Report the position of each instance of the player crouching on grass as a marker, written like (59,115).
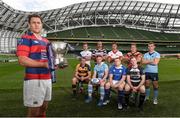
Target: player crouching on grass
(135,82)
(117,76)
(99,79)
(82,75)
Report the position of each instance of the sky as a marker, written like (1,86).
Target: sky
(41,5)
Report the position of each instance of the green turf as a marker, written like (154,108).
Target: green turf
(11,104)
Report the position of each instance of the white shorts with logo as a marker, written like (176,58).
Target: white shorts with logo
(115,82)
(35,92)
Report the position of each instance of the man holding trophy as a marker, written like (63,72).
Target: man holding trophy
(37,55)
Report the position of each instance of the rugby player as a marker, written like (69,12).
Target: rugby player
(32,54)
(82,75)
(99,51)
(115,53)
(86,53)
(117,76)
(135,82)
(100,73)
(133,53)
(151,60)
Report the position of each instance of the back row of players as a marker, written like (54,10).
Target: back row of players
(125,80)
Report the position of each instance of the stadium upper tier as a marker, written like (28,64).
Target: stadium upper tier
(137,14)
(158,16)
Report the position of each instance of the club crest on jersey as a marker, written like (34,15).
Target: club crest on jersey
(36,42)
(20,41)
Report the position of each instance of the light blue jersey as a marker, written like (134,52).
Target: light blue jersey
(151,68)
(100,69)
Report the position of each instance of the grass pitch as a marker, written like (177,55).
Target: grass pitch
(11,101)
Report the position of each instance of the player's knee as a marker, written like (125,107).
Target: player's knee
(155,85)
(142,89)
(127,88)
(33,112)
(147,85)
(43,108)
(102,84)
(121,87)
(107,85)
(74,80)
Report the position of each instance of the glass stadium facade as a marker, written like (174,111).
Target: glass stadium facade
(135,14)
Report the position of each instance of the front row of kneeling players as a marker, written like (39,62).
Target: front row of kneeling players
(117,80)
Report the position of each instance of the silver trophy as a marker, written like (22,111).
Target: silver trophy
(60,49)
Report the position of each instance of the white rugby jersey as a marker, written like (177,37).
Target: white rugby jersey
(86,53)
(116,54)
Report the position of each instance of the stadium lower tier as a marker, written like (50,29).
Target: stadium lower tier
(165,42)
(109,32)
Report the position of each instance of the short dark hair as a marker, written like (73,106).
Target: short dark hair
(34,16)
(151,43)
(85,43)
(133,44)
(114,43)
(99,56)
(117,58)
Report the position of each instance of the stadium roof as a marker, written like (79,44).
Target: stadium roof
(157,16)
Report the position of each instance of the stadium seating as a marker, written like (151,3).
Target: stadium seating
(124,36)
(115,33)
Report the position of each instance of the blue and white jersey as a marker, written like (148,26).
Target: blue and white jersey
(151,68)
(100,69)
(117,72)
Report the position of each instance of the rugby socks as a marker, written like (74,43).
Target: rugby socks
(127,98)
(107,94)
(147,92)
(141,99)
(90,90)
(155,93)
(74,89)
(102,93)
(80,85)
(120,96)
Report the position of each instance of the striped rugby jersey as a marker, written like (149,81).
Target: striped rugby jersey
(101,52)
(35,49)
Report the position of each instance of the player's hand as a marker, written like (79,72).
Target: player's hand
(56,67)
(102,80)
(46,65)
(82,78)
(134,90)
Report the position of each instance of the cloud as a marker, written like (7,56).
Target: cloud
(40,5)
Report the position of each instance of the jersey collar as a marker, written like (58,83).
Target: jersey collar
(151,53)
(119,66)
(115,51)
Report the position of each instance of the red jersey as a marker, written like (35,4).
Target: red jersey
(129,55)
(35,49)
